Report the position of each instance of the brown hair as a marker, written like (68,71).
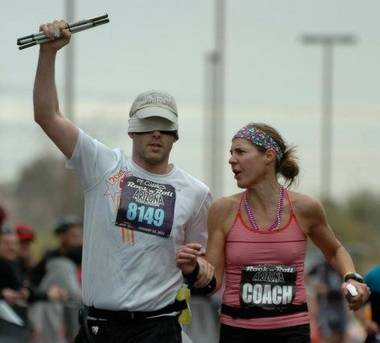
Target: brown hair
(287,166)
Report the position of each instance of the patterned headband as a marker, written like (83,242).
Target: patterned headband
(260,138)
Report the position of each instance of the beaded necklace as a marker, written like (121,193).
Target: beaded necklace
(279,211)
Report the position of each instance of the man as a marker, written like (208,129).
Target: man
(11,282)
(68,231)
(11,287)
(137,212)
(53,321)
(26,238)
(3,216)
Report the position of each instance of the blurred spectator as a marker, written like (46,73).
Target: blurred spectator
(54,322)
(13,289)
(68,231)
(371,320)
(331,309)
(26,237)
(3,215)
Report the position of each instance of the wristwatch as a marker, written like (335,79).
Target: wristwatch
(353,276)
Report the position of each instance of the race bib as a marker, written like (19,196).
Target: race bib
(146,206)
(267,286)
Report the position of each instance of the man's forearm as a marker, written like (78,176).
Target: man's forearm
(45,97)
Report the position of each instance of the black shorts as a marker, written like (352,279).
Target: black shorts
(292,334)
(165,329)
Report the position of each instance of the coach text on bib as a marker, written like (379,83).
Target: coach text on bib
(267,286)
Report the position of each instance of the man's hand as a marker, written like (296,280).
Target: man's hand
(356,301)
(56,293)
(186,257)
(12,296)
(58,33)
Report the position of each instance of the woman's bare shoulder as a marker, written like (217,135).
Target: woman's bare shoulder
(226,204)
(222,213)
(225,207)
(305,205)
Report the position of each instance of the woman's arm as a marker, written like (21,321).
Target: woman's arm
(212,265)
(313,220)
(218,217)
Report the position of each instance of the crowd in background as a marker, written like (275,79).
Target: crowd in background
(40,299)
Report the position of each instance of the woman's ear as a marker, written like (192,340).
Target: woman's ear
(270,156)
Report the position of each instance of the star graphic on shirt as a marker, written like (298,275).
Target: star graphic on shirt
(114,186)
(112,190)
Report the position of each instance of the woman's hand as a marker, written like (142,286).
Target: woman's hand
(206,273)
(356,301)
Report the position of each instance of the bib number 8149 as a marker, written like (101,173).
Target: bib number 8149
(143,213)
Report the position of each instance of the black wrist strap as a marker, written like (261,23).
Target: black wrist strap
(192,277)
(353,276)
(209,288)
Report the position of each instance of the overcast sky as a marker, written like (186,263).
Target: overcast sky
(270,77)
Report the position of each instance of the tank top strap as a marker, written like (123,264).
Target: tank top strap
(238,213)
(289,202)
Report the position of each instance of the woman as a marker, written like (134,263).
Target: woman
(257,239)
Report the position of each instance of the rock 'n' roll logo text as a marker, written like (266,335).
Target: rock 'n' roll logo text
(267,286)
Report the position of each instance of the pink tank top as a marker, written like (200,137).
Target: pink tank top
(267,257)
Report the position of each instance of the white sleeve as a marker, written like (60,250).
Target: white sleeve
(196,229)
(91,160)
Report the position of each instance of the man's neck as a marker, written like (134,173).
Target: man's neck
(160,169)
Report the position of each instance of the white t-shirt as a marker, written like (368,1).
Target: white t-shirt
(134,269)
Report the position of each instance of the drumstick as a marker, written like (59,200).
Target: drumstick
(39,38)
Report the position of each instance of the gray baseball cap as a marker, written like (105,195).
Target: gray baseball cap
(155,103)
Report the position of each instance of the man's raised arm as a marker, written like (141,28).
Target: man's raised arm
(45,99)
